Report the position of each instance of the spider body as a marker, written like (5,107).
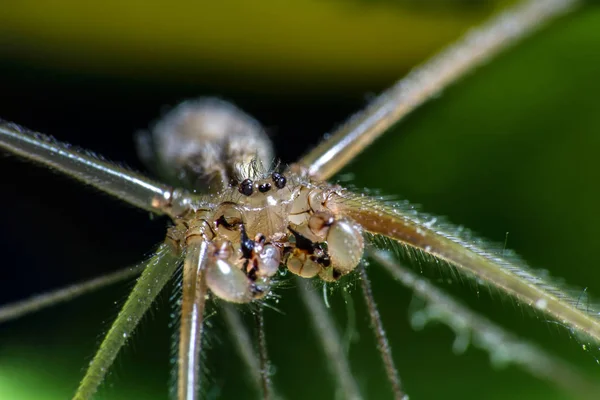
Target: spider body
(372,181)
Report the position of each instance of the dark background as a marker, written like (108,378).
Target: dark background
(513,148)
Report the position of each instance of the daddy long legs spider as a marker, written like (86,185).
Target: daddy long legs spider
(426,146)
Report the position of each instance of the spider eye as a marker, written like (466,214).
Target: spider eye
(246,187)
(264,187)
(279,180)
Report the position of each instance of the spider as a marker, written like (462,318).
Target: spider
(396,350)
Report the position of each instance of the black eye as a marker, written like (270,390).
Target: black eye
(279,180)
(246,187)
(264,188)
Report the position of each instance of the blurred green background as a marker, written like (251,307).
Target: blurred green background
(512,148)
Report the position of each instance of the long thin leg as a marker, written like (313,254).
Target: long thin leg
(487,335)
(192,316)
(82,165)
(382,342)
(331,342)
(49,299)
(245,348)
(265,365)
(471,256)
(159,270)
(244,344)
(426,81)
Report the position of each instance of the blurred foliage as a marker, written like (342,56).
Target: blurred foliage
(512,148)
(304,43)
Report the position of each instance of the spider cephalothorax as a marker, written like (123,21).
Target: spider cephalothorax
(275,219)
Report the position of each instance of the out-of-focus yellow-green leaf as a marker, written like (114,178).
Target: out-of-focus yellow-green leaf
(301,42)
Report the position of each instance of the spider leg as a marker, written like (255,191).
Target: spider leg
(157,273)
(49,299)
(243,344)
(330,340)
(193,303)
(382,342)
(470,256)
(489,336)
(84,166)
(265,365)
(426,81)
